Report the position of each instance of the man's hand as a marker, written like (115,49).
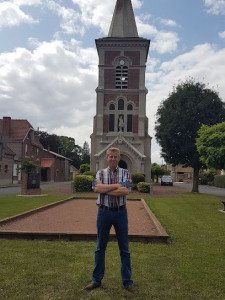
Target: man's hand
(127,184)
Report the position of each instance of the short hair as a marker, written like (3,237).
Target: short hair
(113,149)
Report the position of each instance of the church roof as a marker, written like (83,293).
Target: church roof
(123,22)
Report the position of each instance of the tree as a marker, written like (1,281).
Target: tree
(65,146)
(28,165)
(84,168)
(179,118)
(157,171)
(85,153)
(211,145)
(49,141)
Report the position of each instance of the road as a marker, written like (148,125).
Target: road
(17,189)
(203,189)
(211,190)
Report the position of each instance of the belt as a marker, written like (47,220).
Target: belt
(117,208)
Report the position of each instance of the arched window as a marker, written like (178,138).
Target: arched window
(129,123)
(120,104)
(129,107)
(111,122)
(112,107)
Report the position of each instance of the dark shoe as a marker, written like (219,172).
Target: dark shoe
(131,289)
(91,286)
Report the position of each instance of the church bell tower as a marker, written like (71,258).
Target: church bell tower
(120,119)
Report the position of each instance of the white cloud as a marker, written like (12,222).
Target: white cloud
(204,63)
(96,13)
(161,41)
(222,35)
(27,2)
(99,14)
(70,23)
(156,158)
(168,22)
(215,7)
(12,15)
(51,87)
(165,42)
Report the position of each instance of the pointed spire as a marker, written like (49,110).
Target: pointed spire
(123,22)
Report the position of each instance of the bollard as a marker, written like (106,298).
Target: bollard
(72,187)
(224,205)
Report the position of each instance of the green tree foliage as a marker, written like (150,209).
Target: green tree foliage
(66,146)
(211,145)
(49,141)
(157,171)
(29,166)
(179,118)
(207,177)
(86,153)
(84,168)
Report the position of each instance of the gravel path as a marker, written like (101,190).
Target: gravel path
(77,217)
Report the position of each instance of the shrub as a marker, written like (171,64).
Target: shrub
(219,181)
(91,173)
(136,178)
(143,187)
(84,168)
(83,183)
(207,177)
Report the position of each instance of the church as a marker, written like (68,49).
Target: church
(120,119)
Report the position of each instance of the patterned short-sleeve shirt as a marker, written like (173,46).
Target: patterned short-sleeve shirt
(119,175)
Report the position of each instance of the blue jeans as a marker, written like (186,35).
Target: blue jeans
(119,220)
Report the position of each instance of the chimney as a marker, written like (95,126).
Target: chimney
(6,130)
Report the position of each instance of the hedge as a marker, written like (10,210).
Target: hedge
(219,181)
(83,183)
(143,187)
(91,173)
(136,178)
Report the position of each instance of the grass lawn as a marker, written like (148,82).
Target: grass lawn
(11,205)
(191,267)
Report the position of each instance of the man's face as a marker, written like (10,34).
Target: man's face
(113,159)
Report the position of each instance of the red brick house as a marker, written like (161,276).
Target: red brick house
(19,141)
(6,164)
(180,173)
(55,167)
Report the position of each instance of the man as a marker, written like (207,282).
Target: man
(113,185)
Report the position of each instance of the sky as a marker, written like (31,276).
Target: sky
(49,62)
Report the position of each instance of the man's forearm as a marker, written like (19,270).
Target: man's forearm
(121,191)
(106,188)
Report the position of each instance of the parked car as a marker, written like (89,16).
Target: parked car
(166,180)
